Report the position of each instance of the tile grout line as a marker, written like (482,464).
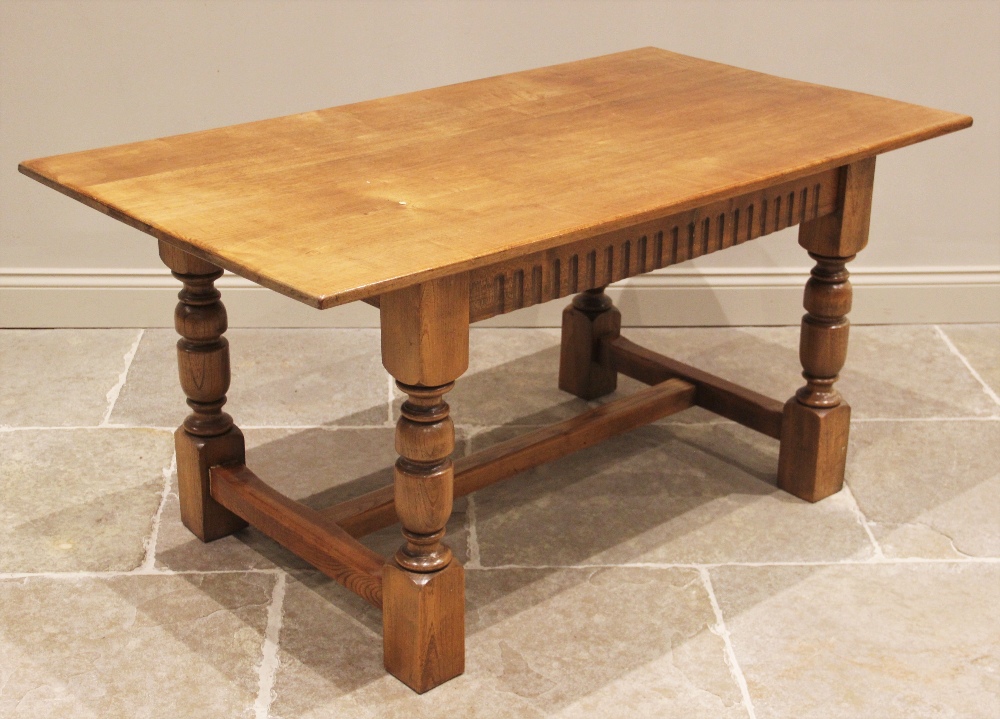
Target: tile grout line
(477,428)
(721,631)
(472,561)
(112,395)
(714,565)
(158,572)
(268,669)
(968,365)
(149,559)
(951,541)
(987,418)
(75,427)
(472,542)
(113,573)
(467,427)
(862,519)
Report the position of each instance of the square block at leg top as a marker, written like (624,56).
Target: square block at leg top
(205,517)
(813,452)
(423,625)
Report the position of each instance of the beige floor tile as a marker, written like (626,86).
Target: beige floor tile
(764,359)
(79,499)
(663,493)
(132,646)
(832,640)
(280,377)
(980,345)
(929,489)
(513,373)
(319,467)
(886,374)
(862,641)
(573,643)
(60,378)
(512,379)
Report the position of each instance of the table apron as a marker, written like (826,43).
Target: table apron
(598,261)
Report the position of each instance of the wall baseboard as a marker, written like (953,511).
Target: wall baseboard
(668,298)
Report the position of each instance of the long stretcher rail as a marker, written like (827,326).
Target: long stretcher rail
(375,510)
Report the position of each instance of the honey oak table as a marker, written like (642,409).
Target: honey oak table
(452,205)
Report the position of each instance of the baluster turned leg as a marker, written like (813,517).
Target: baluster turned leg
(425,346)
(208,436)
(424,477)
(585,367)
(816,421)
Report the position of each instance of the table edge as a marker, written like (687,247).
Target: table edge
(326,301)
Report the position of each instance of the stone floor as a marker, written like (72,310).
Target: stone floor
(660,574)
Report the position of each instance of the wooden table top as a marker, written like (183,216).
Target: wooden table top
(350,202)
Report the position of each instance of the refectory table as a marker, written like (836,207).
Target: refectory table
(452,205)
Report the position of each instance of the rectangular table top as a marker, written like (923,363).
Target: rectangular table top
(350,202)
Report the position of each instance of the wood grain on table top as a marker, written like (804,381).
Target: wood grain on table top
(350,202)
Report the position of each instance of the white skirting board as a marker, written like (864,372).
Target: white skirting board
(673,297)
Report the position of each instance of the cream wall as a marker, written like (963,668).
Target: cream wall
(86,73)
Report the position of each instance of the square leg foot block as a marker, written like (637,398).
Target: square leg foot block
(205,517)
(423,622)
(813,451)
(585,367)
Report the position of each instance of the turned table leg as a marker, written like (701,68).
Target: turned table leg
(208,436)
(425,346)
(816,421)
(585,367)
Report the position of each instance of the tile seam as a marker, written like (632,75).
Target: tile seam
(149,559)
(968,365)
(5,576)
(112,395)
(929,526)
(466,427)
(337,427)
(112,573)
(472,561)
(714,565)
(268,670)
(75,427)
(722,631)
(984,418)
(862,519)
